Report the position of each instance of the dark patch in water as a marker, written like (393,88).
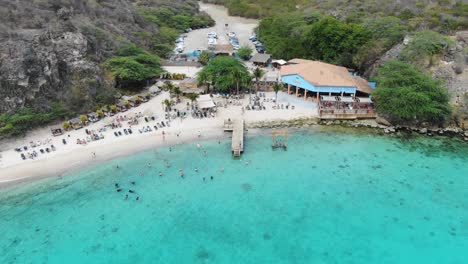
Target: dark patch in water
(375,167)
(203,254)
(115,229)
(246,187)
(266,236)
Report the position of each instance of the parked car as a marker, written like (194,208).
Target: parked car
(234,41)
(260,50)
(253,37)
(212,35)
(231,34)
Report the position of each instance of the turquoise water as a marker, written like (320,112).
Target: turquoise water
(333,197)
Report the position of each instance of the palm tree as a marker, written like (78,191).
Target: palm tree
(192,97)
(176,90)
(203,78)
(258,74)
(277,87)
(238,77)
(168,103)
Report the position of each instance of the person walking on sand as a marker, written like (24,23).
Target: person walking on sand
(93,154)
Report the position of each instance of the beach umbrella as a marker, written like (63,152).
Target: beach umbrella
(160,84)
(131,115)
(154,89)
(108,120)
(148,112)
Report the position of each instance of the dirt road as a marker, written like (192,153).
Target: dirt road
(243,28)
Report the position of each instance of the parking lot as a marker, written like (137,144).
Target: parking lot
(243,27)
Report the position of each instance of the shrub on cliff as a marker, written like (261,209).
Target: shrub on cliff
(406,95)
(133,66)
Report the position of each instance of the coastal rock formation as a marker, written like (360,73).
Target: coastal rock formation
(52,50)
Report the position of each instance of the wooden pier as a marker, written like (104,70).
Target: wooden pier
(237,128)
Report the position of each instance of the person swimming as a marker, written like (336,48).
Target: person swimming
(132,182)
(116,185)
(160,174)
(222,169)
(119,190)
(181,174)
(126,196)
(138,198)
(131,191)
(117,166)
(149,164)
(196,169)
(211,177)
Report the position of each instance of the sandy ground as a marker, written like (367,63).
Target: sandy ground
(243,28)
(71,156)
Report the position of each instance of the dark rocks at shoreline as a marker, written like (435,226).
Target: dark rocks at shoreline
(366,123)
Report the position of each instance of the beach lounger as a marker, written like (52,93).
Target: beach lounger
(52,147)
(167,123)
(115,133)
(42,151)
(130,131)
(64,141)
(155,127)
(47,150)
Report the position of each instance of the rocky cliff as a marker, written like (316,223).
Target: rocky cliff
(51,50)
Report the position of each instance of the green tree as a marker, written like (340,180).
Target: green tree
(192,97)
(334,41)
(224,73)
(203,78)
(66,125)
(277,88)
(133,66)
(100,113)
(244,52)
(168,104)
(204,57)
(406,95)
(83,118)
(258,74)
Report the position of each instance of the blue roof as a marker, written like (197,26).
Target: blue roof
(297,80)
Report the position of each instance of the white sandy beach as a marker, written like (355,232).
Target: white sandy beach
(72,156)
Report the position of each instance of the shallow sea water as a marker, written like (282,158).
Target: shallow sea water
(333,197)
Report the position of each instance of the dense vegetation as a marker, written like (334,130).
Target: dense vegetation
(245,52)
(407,96)
(438,15)
(133,66)
(325,38)
(225,74)
(28,117)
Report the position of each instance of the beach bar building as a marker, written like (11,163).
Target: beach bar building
(261,59)
(333,87)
